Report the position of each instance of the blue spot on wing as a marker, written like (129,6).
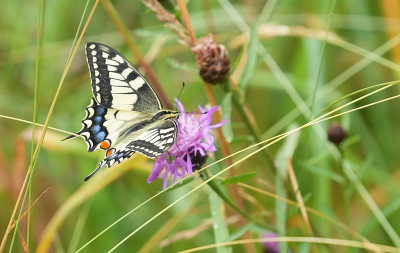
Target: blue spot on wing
(98,119)
(100,136)
(100,110)
(96,129)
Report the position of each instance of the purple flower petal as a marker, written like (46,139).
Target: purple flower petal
(194,135)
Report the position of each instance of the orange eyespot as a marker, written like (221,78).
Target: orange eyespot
(105,144)
(110,152)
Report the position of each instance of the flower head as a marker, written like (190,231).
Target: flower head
(336,133)
(212,60)
(194,139)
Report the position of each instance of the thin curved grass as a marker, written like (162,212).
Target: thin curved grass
(330,241)
(243,159)
(319,119)
(31,168)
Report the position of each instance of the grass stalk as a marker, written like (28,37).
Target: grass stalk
(270,141)
(80,196)
(39,49)
(217,117)
(31,168)
(299,198)
(327,241)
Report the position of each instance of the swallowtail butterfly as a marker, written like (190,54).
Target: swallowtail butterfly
(125,115)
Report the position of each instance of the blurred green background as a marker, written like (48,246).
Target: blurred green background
(299,59)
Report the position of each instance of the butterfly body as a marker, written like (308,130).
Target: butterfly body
(125,114)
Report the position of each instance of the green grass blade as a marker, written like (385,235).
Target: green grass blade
(251,58)
(220,228)
(239,233)
(80,223)
(371,204)
(226,114)
(239,178)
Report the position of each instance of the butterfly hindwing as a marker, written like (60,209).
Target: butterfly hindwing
(116,157)
(156,140)
(116,83)
(102,126)
(93,130)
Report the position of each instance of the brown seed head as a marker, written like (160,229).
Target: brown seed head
(336,134)
(212,60)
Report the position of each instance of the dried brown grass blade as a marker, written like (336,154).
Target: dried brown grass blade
(299,198)
(26,249)
(269,31)
(170,20)
(26,212)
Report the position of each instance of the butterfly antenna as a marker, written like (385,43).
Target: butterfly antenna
(179,95)
(183,86)
(94,172)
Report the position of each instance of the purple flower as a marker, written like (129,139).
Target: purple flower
(194,139)
(270,247)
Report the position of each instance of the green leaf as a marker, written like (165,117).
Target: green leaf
(390,209)
(240,232)
(239,178)
(219,225)
(226,114)
(325,173)
(241,138)
(216,199)
(251,61)
(351,141)
(238,59)
(219,190)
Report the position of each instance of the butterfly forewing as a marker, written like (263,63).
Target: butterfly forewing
(116,83)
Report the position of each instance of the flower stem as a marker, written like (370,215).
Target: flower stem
(247,117)
(188,24)
(234,190)
(115,18)
(216,188)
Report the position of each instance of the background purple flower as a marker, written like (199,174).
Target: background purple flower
(270,247)
(195,137)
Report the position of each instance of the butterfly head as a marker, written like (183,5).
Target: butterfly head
(166,115)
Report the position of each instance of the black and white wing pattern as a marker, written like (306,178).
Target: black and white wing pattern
(152,143)
(156,140)
(116,83)
(102,126)
(125,115)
